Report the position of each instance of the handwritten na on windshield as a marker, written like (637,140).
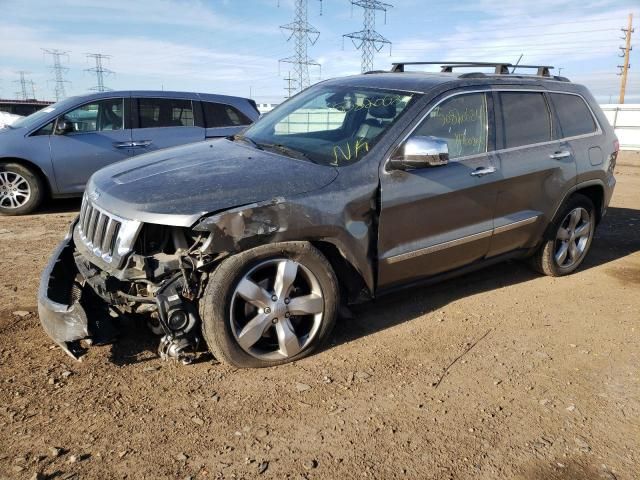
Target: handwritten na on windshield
(348,153)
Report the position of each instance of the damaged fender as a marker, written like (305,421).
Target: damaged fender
(315,217)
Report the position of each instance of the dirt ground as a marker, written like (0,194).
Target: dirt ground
(551,389)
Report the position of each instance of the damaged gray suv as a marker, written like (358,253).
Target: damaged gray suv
(352,188)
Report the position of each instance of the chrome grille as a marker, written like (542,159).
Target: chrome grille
(104,234)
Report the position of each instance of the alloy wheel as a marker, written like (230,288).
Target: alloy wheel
(572,238)
(276,309)
(15,191)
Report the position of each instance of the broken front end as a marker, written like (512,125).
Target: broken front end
(109,267)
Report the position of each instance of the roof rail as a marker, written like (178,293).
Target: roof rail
(501,68)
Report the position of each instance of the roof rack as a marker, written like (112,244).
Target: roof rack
(500,67)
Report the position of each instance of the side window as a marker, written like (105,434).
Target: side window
(165,112)
(461,121)
(574,115)
(100,116)
(221,115)
(525,118)
(46,130)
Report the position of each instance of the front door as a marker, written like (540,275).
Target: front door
(437,219)
(99,136)
(163,123)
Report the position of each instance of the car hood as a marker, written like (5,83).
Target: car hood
(177,186)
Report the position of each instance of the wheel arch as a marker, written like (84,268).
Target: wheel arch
(595,192)
(352,283)
(35,169)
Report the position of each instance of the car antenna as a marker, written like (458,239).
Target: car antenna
(517,63)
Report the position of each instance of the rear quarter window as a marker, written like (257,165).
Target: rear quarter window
(222,115)
(573,114)
(525,119)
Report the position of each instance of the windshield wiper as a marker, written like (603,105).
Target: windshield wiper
(291,152)
(246,139)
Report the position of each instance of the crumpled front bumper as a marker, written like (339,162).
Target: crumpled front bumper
(61,314)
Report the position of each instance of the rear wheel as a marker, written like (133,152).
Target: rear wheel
(570,239)
(20,189)
(269,305)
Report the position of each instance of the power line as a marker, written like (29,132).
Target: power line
(626,51)
(303,34)
(58,71)
(367,39)
(99,70)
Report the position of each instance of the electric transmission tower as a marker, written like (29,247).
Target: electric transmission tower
(367,39)
(291,85)
(303,34)
(58,71)
(27,87)
(99,70)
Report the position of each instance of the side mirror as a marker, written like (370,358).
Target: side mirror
(420,152)
(63,126)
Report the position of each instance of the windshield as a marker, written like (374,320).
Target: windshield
(330,125)
(35,118)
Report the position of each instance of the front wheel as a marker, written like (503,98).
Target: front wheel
(21,189)
(269,305)
(571,236)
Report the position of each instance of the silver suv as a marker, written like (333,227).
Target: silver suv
(350,189)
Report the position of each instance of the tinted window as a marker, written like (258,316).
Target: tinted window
(104,115)
(525,118)
(462,122)
(221,115)
(165,112)
(574,115)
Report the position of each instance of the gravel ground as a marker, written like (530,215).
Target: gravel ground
(497,374)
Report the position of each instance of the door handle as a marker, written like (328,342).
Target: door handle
(481,171)
(561,154)
(141,143)
(123,144)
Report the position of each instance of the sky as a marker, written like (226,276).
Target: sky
(233,46)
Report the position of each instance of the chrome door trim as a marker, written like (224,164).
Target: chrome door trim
(460,241)
(514,225)
(438,247)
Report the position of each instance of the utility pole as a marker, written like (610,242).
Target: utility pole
(58,71)
(26,87)
(367,39)
(303,34)
(291,87)
(99,70)
(626,51)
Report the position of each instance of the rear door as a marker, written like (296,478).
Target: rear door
(536,168)
(222,120)
(437,219)
(164,122)
(101,135)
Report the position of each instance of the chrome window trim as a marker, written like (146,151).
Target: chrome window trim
(598,131)
(460,241)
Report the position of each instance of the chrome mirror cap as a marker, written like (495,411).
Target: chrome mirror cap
(420,152)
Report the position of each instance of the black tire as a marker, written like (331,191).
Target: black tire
(215,304)
(9,170)
(544,260)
